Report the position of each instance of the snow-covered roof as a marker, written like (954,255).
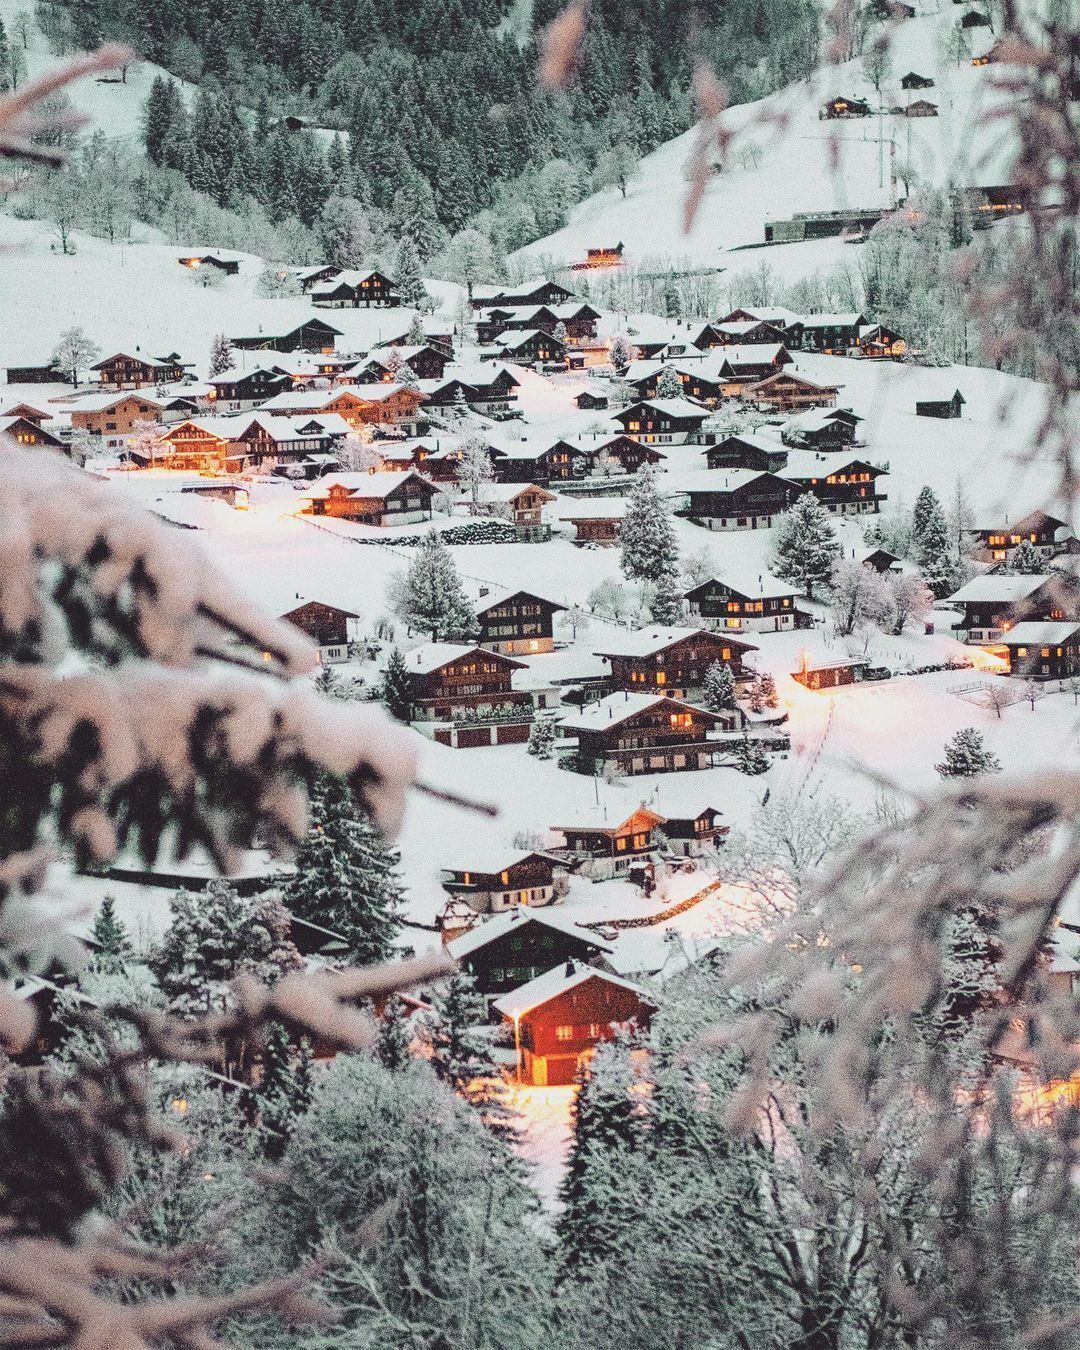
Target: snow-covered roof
(500,924)
(815,419)
(674,407)
(711,480)
(299,399)
(770,444)
(591,508)
(777,315)
(555,982)
(819,463)
(345,277)
(505,492)
(517,337)
(616,708)
(646,641)
(377,485)
(434,655)
(493,598)
(100,402)
(749,354)
(995,587)
(831,320)
(755,586)
(1033,634)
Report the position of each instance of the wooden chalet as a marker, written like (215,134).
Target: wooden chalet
(629,454)
(597,521)
(501,880)
(913,81)
(328,626)
(609,256)
(787,392)
(356,290)
(830,334)
(999,543)
(840,107)
(264,441)
(521,503)
(951,407)
(309,277)
(975,18)
(560,1018)
(993,604)
(670,661)
(786,320)
(879,343)
(426,363)
(847,487)
(44,374)
(1042,651)
(747,450)
(763,605)
(27,410)
(237,391)
(825,429)
(517,623)
(748,364)
(373,498)
(646,733)
(396,405)
(667,421)
(600,850)
(829,672)
(536,292)
(520,942)
(450,681)
(733,499)
(525,461)
(121,371)
(229,266)
(590,401)
(23,431)
(747,333)
(114,417)
(697,383)
(313,335)
(529,346)
(879,559)
(921,107)
(578,319)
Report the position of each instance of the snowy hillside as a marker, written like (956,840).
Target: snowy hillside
(784,159)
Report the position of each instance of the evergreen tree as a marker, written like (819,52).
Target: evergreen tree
(429,597)
(648,542)
(109,938)
(666,603)
(751,757)
(609,1127)
(221,358)
(668,384)
(285,1088)
(1026,559)
(768,691)
(966,755)
(345,876)
(394,1038)
(462,1051)
(561,333)
(410,283)
(394,688)
(416,336)
(933,544)
(719,687)
(757,696)
(542,738)
(622,352)
(805,545)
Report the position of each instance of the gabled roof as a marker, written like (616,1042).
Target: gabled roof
(804,464)
(851,320)
(639,817)
(507,492)
(670,407)
(764,586)
(303,604)
(798,379)
(144,360)
(754,439)
(434,655)
(546,987)
(591,508)
(491,930)
(1034,634)
(816,419)
(996,587)
(487,602)
(618,708)
(366,485)
(649,641)
(718,480)
(513,338)
(751,354)
(1034,520)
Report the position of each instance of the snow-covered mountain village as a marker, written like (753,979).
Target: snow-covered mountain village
(596,608)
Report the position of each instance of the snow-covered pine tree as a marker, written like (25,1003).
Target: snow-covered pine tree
(966,755)
(719,687)
(757,696)
(648,542)
(542,738)
(805,546)
(936,558)
(416,336)
(394,688)
(410,283)
(462,1051)
(666,603)
(622,351)
(394,1038)
(561,333)
(284,1090)
(769,695)
(609,1126)
(428,596)
(221,358)
(751,757)
(1026,559)
(109,938)
(668,384)
(345,875)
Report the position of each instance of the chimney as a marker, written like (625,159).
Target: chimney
(569,968)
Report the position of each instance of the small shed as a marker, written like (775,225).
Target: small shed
(950,407)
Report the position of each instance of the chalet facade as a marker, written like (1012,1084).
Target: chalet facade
(830,673)
(845,488)
(597,521)
(560,1018)
(373,498)
(526,462)
(691,836)
(395,405)
(628,454)
(517,623)
(229,266)
(992,605)
(137,372)
(515,946)
(313,335)
(536,292)
(747,450)
(522,504)
(914,81)
(449,681)
(647,733)
(506,881)
(217,443)
(787,392)
(327,625)
(831,334)
(998,544)
(733,499)
(843,108)
(697,382)
(765,606)
(664,421)
(46,374)
(356,290)
(236,392)
(1042,651)
(671,661)
(601,851)
(828,430)
(530,347)
(115,417)
(578,320)
(23,431)
(426,363)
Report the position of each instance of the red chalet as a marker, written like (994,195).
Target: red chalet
(560,1017)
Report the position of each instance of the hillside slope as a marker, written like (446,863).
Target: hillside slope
(782,161)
